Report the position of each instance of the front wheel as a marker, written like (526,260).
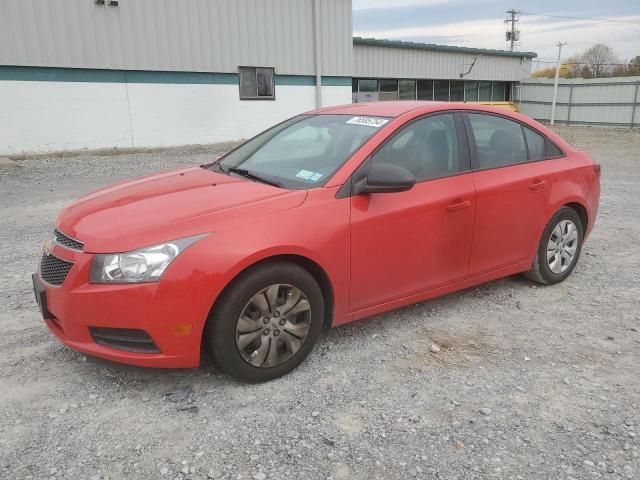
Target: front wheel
(559,248)
(266,322)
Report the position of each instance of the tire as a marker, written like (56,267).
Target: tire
(225,331)
(541,270)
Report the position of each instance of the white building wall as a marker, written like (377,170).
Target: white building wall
(41,116)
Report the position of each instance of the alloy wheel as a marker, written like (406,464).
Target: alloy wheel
(562,246)
(273,325)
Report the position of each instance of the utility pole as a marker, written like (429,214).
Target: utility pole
(555,85)
(513,35)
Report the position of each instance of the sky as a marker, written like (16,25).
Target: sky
(479,23)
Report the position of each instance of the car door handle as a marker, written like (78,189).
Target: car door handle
(458,205)
(537,185)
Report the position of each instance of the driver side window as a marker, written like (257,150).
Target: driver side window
(428,148)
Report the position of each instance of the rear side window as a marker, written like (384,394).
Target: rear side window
(552,150)
(540,147)
(499,142)
(535,142)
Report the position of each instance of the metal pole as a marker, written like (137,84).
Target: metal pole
(316,49)
(555,85)
(635,104)
(569,107)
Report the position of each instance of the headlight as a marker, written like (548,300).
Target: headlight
(143,265)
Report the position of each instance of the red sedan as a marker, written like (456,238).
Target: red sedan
(326,218)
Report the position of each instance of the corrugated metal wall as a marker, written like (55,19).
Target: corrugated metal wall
(394,62)
(602,101)
(176,35)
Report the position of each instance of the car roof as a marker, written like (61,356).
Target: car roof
(383,109)
(398,108)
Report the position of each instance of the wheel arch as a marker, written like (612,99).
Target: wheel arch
(582,212)
(314,268)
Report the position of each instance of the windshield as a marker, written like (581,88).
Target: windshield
(302,152)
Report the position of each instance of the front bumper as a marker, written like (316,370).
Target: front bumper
(173,314)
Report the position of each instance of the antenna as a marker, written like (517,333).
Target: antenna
(512,35)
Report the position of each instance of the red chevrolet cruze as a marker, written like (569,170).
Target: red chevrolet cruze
(326,218)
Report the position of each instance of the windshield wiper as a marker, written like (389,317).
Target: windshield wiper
(243,172)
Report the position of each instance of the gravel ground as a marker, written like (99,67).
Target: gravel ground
(529,382)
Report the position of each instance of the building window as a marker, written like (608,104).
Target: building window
(388,89)
(470,91)
(484,89)
(407,89)
(425,89)
(441,90)
(499,91)
(256,83)
(457,91)
(371,89)
(367,85)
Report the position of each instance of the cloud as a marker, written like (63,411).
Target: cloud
(373,4)
(539,35)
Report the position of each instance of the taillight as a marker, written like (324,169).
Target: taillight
(596,169)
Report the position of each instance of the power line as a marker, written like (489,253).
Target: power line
(588,19)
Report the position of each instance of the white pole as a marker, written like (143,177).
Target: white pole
(555,85)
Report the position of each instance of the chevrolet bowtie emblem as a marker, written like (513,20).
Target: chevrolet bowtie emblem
(47,248)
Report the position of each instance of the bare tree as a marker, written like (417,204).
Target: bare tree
(599,59)
(574,68)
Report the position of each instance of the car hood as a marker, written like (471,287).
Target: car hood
(166,206)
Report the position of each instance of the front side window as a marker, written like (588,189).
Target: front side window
(499,142)
(428,148)
(256,83)
(302,152)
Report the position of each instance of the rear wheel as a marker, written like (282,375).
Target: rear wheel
(266,322)
(559,248)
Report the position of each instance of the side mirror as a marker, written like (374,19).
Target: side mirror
(385,178)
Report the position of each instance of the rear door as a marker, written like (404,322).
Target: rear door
(408,242)
(512,184)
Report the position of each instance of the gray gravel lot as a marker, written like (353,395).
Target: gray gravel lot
(529,382)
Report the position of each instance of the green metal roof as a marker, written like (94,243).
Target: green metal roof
(375,42)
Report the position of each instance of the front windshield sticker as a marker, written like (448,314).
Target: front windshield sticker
(307,175)
(368,121)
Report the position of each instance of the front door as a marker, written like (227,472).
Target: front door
(409,242)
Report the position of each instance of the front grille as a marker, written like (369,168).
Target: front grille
(127,339)
(54,270)
(66,241)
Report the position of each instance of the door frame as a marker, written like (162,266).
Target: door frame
(464,152)
(473,148)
